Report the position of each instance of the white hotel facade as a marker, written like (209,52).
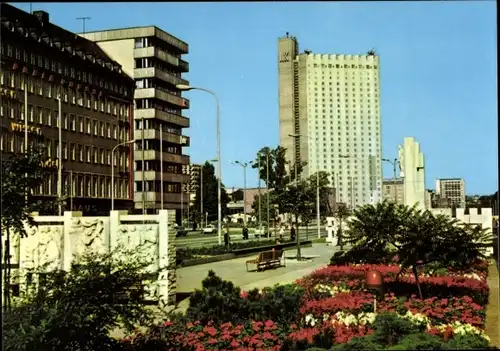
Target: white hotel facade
(330,104)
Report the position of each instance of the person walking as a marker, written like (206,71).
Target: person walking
(282,232)
(226,236)
(292,233)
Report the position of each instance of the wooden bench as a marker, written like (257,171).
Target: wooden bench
(268,259)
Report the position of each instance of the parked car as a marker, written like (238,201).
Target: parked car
(260,232)
(181,231)
(210,229)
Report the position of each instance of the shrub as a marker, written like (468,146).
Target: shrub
(361,343)
(218,301)
(467,342)
(280,303)
(75,310)
(390,329)
(420,341)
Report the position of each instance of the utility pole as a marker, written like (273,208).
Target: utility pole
(83,19)
(267,186)
(202,215)
(260,223)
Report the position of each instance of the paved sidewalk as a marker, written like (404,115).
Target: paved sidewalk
(492,327)
(190,278)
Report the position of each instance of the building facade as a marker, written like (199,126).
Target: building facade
(452,189)
(412,166)
(329,117)
(393,191)
(153,58)
(96,110)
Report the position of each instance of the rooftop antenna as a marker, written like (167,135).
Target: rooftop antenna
(287,34)
(372,52)
(83,19)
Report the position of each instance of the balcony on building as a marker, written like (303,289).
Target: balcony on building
(167,177)
(155,155)
(150,93)
(150,51)
(167,137)
(155,197)
(162,115)
(155,72)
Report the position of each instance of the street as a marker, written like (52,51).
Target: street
(197,239)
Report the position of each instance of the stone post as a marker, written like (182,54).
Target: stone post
(166,260)
(67,247)
(114,227)
(330,240)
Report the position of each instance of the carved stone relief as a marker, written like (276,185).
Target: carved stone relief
(50,247)
(87,235)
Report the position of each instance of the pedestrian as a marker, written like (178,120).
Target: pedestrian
(282,232)
(292,233)
(226,236)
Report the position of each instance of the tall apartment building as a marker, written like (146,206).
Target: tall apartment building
(96,110)
(393,190)
(452,189)
(330,104)
(153,58)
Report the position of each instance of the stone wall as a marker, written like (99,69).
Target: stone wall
(58,240)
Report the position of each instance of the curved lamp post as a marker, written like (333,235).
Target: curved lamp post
(113,172)
(185,87)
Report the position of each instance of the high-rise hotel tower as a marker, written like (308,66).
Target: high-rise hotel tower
(329,111)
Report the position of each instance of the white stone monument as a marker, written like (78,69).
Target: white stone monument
(330,229)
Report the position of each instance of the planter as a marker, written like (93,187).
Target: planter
(205,260)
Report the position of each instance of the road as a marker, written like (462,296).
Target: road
(197,239)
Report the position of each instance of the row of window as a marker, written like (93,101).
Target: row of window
(155,186)
(331,65)
(71,95)
(70,151)
(58,67)
(75,123)
(84,185)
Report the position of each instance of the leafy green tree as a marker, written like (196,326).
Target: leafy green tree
(341,214)
(210,194)
(263,207)
(297,199)
(417,237)
(21,175)
(75,310)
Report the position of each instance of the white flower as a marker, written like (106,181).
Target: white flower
(330,290)
(310,320)
(366,318)
(417,318)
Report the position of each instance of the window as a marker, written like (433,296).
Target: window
(73,122)
(73,152)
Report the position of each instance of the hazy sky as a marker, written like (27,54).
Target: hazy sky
(438,72)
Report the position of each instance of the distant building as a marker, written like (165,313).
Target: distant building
(453,190)
(393,190)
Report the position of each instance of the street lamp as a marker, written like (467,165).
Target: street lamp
(244,165)
(185,87)
(266,153)
(393,163)
(113,172)
(352,178)
(318,218)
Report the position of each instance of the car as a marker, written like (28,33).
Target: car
(210,229)
(181,231)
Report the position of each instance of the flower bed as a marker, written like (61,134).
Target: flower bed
(336,309)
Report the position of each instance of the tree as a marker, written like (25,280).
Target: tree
(210,195)
(416,237)
(21,175)
(263,207)
(341,214)
(75,310)
(297,199)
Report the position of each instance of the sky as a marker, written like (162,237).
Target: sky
(438,72)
